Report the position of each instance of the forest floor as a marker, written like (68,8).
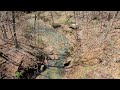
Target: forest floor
(92,56)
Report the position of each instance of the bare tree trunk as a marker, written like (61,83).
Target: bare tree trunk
(66,13)
(3,29)
(35,22)
(109,16)
(111,24)
(35,29)
(4,32)
(83,15)
(76,25)
(9,26)
(10,29)
(101,22)
(75,16)
(14,30)
(52,17)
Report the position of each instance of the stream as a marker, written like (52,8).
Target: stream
(60,44)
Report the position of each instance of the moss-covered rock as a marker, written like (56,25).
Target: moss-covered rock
(52,73)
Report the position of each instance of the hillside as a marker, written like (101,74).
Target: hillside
(60,45)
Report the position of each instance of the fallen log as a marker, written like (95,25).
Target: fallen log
(5,56)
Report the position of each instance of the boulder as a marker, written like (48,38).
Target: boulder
(56,25)
(74,26)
